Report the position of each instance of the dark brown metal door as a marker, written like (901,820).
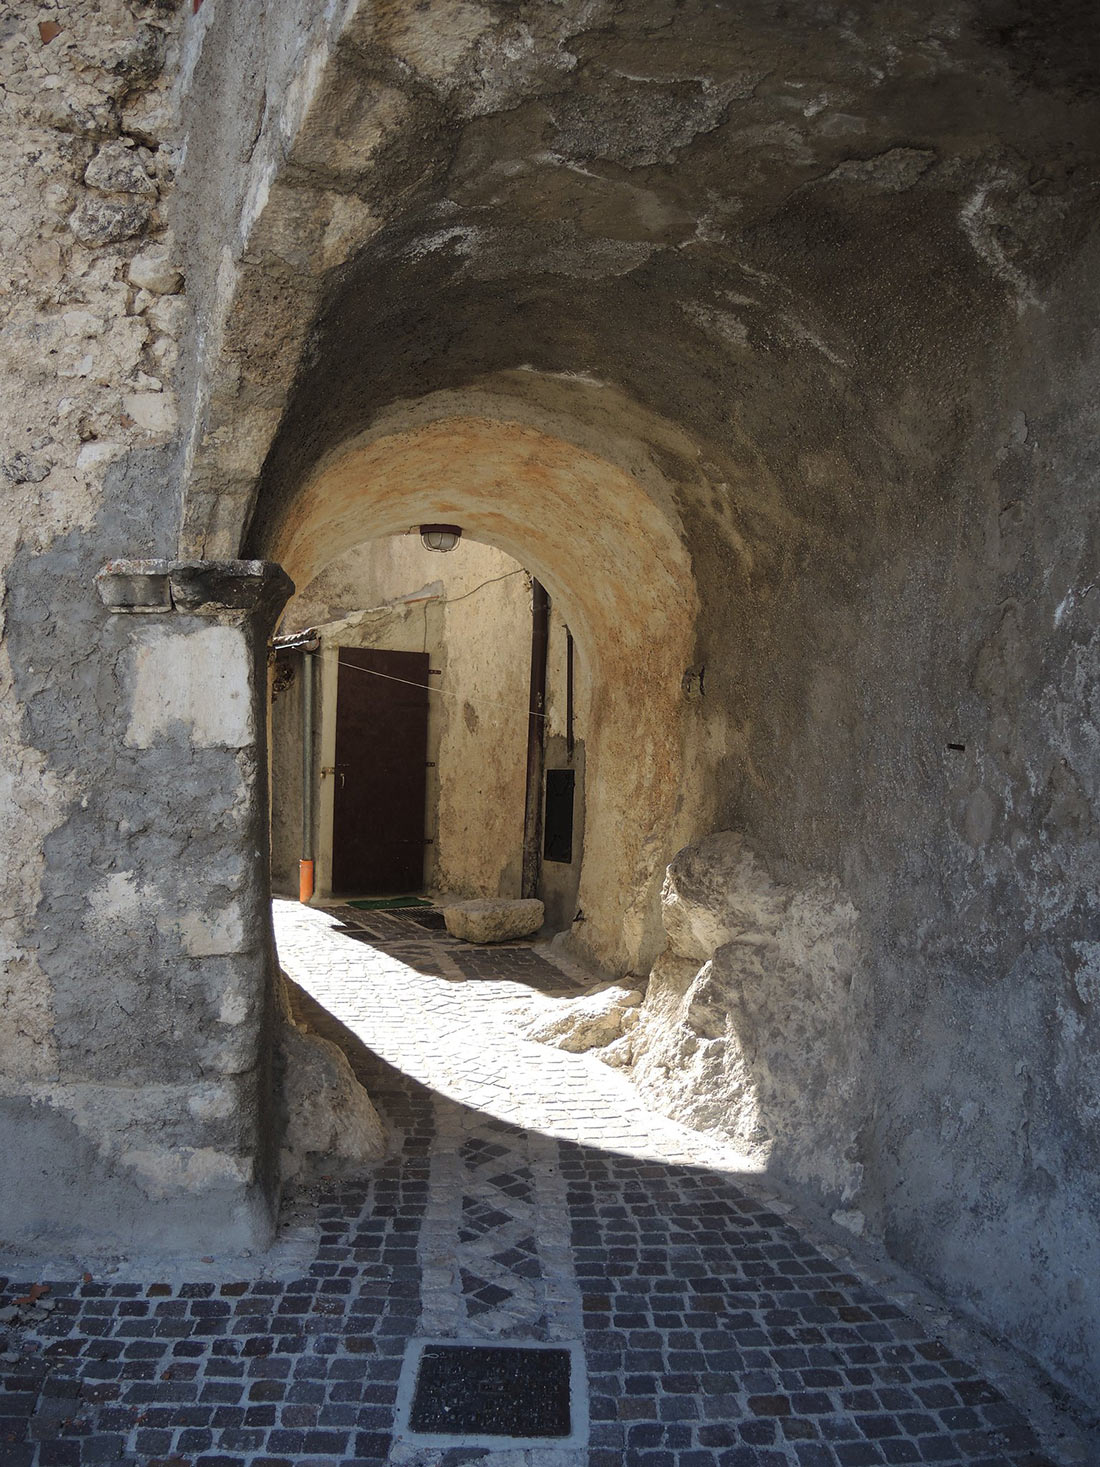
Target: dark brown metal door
(381,771)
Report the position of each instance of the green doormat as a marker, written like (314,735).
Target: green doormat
(375,904)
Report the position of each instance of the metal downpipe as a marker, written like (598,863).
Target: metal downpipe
(305,865)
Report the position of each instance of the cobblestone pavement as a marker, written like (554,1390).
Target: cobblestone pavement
(530,1196)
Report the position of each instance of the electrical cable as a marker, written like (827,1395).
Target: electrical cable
(442,692)
(450,600)
(427,687)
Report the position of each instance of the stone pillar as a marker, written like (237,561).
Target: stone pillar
(186,1125)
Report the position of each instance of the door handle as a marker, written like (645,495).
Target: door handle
(341,779)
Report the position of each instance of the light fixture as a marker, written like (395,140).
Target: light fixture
(440,537)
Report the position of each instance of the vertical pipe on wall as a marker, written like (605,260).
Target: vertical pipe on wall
(536,725)
(569,742)
(305,865)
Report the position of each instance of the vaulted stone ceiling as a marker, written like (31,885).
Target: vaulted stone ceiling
(774,225)
(841,249)
(829,273)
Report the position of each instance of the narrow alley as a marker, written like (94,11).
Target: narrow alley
(529,1198)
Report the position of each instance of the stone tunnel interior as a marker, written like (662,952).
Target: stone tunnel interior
(611,561)
(765,339)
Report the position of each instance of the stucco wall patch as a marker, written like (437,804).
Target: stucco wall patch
(201,680)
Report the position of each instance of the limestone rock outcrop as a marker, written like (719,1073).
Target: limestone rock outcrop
(591,1022)
(493,919)
(755,1016)
(330,1123)
(715,891)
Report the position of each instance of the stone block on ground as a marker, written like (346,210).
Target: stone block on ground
(493,919)
(331,1123)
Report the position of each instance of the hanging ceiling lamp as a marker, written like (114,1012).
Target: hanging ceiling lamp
(440,537)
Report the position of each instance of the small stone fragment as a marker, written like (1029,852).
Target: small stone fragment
(851,1219)
(590,1022)
(98,451)
(147,116)
(153,412)
(142,58)
(619,1054)
(65,114)
(167,314)
(108,221)
(142,382)
(331,1125)
(116,169)
(153,271)
(48,30)
(19,469)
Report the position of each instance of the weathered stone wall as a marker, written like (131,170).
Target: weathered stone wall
(106,1128)
(818,292)
(857,281)
(755,1019)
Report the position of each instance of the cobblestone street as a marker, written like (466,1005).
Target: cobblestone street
(530,1197)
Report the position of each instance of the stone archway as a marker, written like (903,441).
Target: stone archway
(612,558)
(601,532)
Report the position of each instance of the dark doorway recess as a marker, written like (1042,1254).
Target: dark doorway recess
(380,772)
(558,819)
(536,737)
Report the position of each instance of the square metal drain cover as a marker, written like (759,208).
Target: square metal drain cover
(433,921)
(496,1394)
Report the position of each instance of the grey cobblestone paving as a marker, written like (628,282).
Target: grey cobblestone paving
(530,1196)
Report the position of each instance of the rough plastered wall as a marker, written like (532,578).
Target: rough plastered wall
(98,1136)
(848,259)
(846,255)
(486,670)
(471,608)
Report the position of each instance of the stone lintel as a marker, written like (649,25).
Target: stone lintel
(236,589)
(135,585)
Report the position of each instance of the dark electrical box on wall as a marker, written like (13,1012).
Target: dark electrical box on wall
(558,816)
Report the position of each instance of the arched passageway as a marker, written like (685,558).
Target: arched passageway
(821,296)
(812,292)
(612,560)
